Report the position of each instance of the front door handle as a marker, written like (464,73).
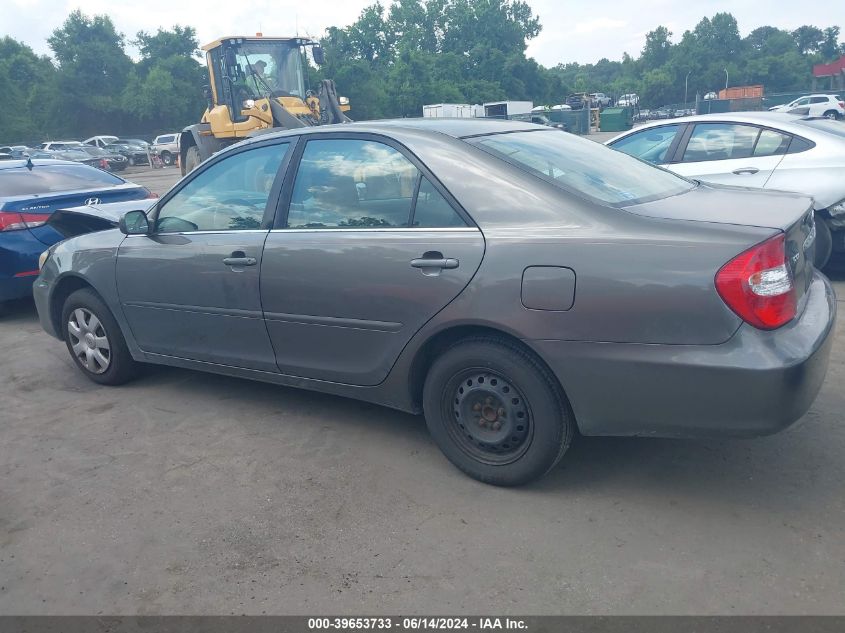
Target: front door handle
(444,262)
(746,170)
(239,258)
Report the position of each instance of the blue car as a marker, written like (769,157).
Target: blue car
(30,190)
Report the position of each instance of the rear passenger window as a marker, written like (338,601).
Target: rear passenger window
(432,209)
(720,141)
(348,183)
(798,145)
(772,143)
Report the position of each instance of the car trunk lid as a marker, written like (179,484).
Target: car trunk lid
(789,213)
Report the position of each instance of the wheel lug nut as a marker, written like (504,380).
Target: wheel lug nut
(476,406)
(489,400)
(502,412)
(497,426)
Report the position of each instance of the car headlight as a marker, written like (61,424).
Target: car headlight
(248,104)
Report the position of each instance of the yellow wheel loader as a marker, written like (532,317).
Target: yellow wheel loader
(257,85)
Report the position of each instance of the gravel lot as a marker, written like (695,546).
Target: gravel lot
(190,493)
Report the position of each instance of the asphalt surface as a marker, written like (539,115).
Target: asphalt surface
(188,493)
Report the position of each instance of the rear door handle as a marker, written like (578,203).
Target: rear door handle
(424,262)
(746,170)
(239,258)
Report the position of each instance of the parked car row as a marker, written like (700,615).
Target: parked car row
(106,152)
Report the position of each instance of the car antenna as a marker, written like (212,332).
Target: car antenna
(29,164)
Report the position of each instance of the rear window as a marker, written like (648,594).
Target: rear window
(584,167)
(166,139)
(49,179)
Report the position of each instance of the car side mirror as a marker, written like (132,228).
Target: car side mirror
(319,55)
(134,223)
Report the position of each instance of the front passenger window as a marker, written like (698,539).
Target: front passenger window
(651,144)
(230,195)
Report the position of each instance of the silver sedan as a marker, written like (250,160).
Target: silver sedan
(770,150)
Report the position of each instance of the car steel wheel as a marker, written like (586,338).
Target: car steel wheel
(89,341)
(490,418)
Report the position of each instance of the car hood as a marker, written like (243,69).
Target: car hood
(722,204)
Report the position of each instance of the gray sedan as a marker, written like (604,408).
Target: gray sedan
(769,150)
(512,283)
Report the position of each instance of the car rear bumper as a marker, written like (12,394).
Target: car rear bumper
(757,383)
(19,251)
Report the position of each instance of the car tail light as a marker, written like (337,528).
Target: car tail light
(14,221)
(104,164)
(757,284)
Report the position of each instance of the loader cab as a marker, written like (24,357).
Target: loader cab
(243,69)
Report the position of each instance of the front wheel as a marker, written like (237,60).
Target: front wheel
(192,159)
(496,412)
(167,158)
(94,339)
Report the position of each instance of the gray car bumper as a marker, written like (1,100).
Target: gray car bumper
(756,383)
(41,294)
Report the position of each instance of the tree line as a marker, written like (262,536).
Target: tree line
(393,59)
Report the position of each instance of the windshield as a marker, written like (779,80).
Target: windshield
(824,125)
(272,68)
(585,167)
(52,178)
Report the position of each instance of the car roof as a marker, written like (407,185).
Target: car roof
(456,128)
(46,162)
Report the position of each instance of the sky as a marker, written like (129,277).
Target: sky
(573,31)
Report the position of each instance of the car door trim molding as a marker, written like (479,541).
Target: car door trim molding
(154,305)
(385,229)
(342,322)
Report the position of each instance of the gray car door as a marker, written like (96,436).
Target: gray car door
(371,248)
(191,288)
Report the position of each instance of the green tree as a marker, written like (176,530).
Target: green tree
(93,68)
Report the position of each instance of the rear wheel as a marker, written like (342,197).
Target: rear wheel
(496,412)
(832,114)
(94,339)
(167,158)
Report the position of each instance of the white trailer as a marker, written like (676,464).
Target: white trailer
(506,109)
(452,110)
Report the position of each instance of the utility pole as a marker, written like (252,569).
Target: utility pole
(686,88)
(726,78)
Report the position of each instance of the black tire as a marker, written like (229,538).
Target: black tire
(538,425)
(824,243)
(131,161)
(120,366)
(832,114)
(192,159)
(167,158)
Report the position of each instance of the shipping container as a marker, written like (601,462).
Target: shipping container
(505,109)
(742,92)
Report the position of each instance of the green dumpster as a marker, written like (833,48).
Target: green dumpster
(616,120)
(576,121)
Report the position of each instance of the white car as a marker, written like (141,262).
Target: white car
(100,141)
(599,99)
(60,146)
(769,150)
(830,106)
